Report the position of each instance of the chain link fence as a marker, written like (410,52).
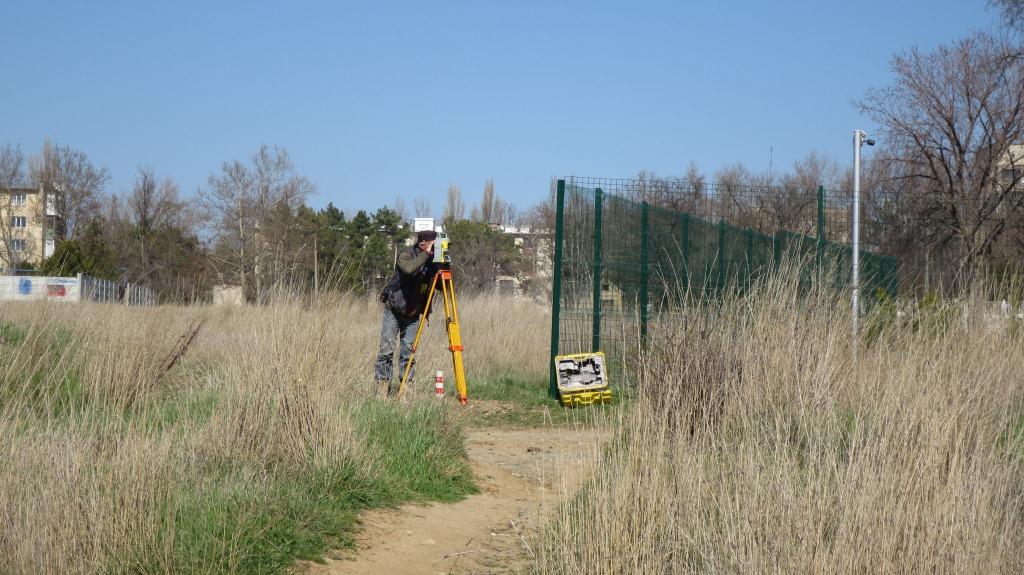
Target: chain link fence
(631,252)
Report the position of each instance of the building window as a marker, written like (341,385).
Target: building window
(19,221)
(19,199)
(17,245)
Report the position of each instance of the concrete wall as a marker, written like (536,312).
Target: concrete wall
(81,288)
(25,288)
(228,295)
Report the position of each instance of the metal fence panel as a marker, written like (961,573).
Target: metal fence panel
(630,251)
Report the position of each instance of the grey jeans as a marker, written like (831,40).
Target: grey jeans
(403,328)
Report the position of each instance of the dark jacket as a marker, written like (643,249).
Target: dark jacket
(406,291)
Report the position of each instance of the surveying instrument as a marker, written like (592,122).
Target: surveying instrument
(451,313)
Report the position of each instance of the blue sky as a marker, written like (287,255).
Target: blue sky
(379,100)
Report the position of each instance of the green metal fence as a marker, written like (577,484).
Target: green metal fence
(631,253)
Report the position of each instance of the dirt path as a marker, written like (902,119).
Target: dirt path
(518,471)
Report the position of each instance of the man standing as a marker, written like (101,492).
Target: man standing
(404,298)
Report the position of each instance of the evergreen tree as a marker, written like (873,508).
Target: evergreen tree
(89,255)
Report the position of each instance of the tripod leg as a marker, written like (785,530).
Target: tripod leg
(416,341)
(454,337)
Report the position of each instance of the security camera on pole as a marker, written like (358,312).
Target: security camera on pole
(859,139)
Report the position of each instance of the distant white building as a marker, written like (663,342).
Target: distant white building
(536,247)
(422,224)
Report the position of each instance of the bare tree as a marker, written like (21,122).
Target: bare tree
(455,207)
(12,174)
(736,195)
(541,217)
(254,209)
(949,124)
(694,178)
(421,208)
(229,200)
(694,188)
(792,205)
(399,208)
(488,203)
(682,195)
(153,207)
(1013,12)
(281,192)
(492,209)
(504,212)
(75,185)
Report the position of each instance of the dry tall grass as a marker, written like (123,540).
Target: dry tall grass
(756,446)
(107,464)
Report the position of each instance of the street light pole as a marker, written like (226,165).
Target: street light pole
(858,139)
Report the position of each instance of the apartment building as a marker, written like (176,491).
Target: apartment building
(27,223)
(1012,166)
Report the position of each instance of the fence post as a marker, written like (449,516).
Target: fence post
(721,256)
(821,213)
(889,275)
(595,344)
(644,272)
(777,240)
(819,254)
(83,294)
(750,250)
(685,248)
(556,286)
(895,271)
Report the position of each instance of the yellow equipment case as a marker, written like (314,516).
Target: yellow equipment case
(582,379)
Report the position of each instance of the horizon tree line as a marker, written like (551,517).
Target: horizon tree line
(943,191)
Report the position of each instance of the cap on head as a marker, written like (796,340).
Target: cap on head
(426,236)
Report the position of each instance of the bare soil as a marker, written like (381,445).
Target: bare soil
(519,471)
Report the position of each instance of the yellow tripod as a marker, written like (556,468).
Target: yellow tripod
(451,314)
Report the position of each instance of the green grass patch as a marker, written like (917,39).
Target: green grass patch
(521,390)
(421,449)
(11,334)
(1012,440)
(247,522)
(175,408)
(45,378)
(509,401)
(256,520)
